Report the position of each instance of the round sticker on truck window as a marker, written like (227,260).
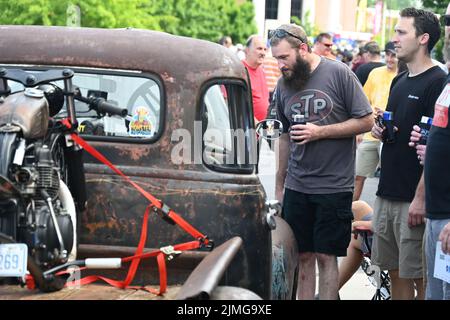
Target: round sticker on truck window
(141,124)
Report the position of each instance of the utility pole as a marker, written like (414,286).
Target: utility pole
(73,14)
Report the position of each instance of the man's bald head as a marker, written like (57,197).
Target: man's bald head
(255,51)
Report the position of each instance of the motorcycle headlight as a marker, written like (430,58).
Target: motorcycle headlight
(54,96)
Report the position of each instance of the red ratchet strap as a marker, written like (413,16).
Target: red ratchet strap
(168,214)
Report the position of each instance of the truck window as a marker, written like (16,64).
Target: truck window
(228,138)
(140,95)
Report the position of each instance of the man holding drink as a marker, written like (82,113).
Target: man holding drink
(322,107)
(398,216)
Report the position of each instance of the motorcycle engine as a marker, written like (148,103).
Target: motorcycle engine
(41,236)
(38,178)
(38,173)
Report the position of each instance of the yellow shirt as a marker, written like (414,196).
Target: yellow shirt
(376,89)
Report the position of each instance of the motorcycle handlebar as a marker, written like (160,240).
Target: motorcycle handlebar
(102,106)
(105,107)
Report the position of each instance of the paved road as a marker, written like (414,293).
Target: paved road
(358,287)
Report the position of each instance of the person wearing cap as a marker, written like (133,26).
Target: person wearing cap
(399,215)
(316,160)
(377,90)
(372,56)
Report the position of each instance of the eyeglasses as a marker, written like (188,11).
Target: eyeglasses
(281,33)
(328,45)
(446,20)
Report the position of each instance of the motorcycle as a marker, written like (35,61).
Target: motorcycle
(42,183)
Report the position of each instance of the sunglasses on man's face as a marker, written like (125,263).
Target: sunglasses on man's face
(328,45)
(281,33)
(446,20)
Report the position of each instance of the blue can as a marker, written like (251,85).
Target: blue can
(388,122)
(425,126)
(388,115)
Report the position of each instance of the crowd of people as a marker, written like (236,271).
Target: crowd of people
(322,164)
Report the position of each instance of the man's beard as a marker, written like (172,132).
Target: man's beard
(446,49)
(299,75)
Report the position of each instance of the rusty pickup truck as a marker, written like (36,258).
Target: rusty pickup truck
(188,139)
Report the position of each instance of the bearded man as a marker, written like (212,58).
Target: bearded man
(316,160)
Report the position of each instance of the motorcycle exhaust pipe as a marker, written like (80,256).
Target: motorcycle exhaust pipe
(48,200)
(89,263)
(103,263)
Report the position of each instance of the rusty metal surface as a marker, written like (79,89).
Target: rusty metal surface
(127,49)
(284,261)
(221,205)
(87,292)
(147,274)
(28,113)
(233,293)
(219,210)
(206,276)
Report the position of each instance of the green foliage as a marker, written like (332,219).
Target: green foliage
(396,4)
(202,19)
(438,7)
(311,29)
(206,19)
(40,12)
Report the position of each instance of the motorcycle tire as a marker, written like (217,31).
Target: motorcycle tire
(44,284)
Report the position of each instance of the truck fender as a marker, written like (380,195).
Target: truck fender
(284,261)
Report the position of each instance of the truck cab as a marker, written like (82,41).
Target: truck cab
(188,139)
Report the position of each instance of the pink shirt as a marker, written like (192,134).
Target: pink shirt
(260,92)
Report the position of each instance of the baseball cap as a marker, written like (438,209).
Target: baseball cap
(390,47)
(294,30)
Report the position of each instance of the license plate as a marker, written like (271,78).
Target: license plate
(13,259)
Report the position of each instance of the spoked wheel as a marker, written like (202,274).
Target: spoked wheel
(45,284)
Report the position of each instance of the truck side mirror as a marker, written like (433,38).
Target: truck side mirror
(269,129)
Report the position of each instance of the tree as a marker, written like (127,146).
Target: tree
(397,4)
(41,12)
(438,7)
(202,19)
(206,19)
(311,29)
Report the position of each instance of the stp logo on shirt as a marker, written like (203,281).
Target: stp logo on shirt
(314,104)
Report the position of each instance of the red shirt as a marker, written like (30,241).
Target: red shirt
(260,92)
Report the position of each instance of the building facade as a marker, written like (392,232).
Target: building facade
(334,16)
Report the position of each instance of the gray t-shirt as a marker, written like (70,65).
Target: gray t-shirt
(333,94)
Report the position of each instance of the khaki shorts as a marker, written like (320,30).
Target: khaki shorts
(367,158)
(395,245)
